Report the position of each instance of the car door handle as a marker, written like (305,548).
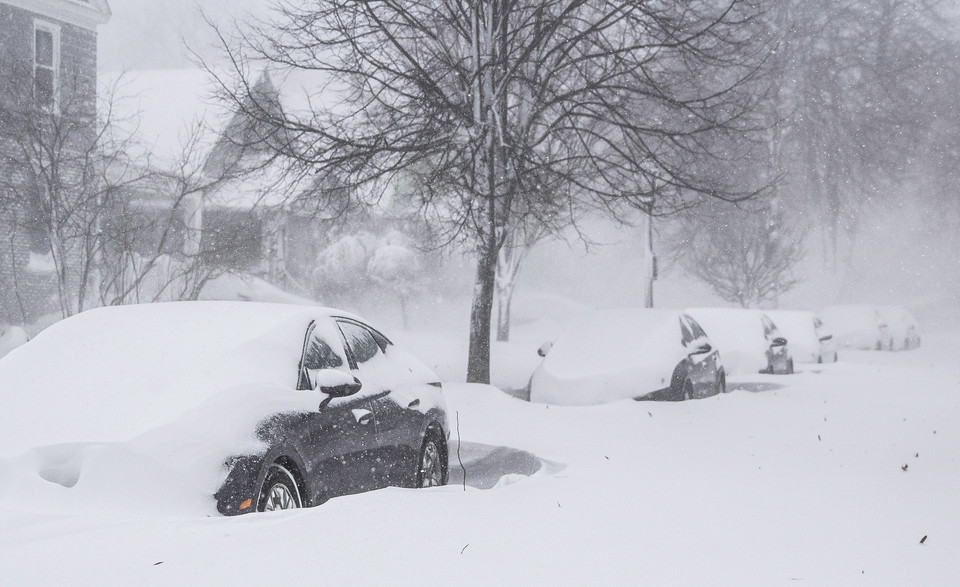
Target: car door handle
(363,416)
(414,403)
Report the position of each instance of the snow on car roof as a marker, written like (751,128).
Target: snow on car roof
(735,317)
(738,334)
(792,320)
(110,373)
(610,340)
(844,318)
(798,328)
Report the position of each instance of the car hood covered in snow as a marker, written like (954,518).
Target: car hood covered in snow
(110,374)
(609,355)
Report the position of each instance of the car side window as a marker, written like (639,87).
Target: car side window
(695,327)
(317,354)
(382,340)
(361,342)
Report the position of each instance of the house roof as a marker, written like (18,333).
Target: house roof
(175,114)
(83,13)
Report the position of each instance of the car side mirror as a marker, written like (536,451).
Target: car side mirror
(779,341)
(545,348)
(702,349)
(334,382)
(826,337)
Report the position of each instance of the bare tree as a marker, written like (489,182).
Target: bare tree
(56,181)
(746,256)
(396,266)
(478,103)
(108,221)
(849,93)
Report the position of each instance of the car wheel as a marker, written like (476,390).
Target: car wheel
(431,471)
(790,367)
(279,490)
(722,383)
(835,357)
(687,390)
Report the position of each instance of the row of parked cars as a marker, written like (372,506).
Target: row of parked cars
(264,407)
(685,354)
(866,327)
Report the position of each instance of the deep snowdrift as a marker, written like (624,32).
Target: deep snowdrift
(832,476)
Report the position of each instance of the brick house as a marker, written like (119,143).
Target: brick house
(48,65)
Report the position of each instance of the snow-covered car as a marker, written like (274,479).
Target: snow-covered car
(858,326)
(748,340)
(810,342)
(257,406)
(902,327)
(608,355)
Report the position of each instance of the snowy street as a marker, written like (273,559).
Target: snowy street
(479,292)
(832,476)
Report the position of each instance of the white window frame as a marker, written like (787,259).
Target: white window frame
(54,30)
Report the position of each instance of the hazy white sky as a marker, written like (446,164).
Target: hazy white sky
(898,260)
(145,34)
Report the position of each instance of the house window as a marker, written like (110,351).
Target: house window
(46,58)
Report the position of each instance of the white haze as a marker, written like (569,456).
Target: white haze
(899,257)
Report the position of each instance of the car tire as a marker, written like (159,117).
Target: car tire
(431,469)
(790,367)
(722,383)
(279,490)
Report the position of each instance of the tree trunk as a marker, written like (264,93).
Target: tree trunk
(509,257)
(478,360)
(504,298)
(58,253)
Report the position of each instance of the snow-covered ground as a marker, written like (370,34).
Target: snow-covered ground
(832,476)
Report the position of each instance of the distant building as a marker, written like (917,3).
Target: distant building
(250,216)
(48,64)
